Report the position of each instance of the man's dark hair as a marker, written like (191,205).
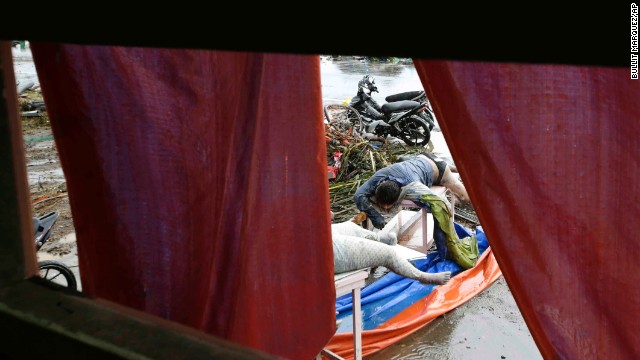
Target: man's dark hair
(387,192)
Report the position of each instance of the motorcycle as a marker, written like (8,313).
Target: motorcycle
(51,270)
(420,96)
(405,115)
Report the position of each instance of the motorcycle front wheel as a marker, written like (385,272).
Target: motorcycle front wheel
(58,273)
(415,132)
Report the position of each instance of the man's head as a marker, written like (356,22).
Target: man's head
(387,193)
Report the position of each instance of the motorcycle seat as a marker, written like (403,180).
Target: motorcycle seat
(408,95)
(396,106)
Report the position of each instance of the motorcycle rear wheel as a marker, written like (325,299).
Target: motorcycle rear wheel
(426,116)
(415,132)
(343,118)
(58,273)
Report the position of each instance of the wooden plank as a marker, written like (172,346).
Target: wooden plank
(339,276)
(330,355)
(38,320)
(357,325)
(408,253)
(17,250)
(355,279)
(411,230)
(408,228)
(417,231)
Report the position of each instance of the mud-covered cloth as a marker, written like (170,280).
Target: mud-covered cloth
(463,251)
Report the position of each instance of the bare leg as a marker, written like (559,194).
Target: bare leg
(452,183)
(352,253)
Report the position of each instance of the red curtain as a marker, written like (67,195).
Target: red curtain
(198,187)
(549,155)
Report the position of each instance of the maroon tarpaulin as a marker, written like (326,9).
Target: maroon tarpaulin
(198,186)
(549,155)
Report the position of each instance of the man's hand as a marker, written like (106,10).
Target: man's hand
(358,219)
(379,225)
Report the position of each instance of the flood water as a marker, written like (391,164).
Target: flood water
(23,66)
(340,78)
(490,325)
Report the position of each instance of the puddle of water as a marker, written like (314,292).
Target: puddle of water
(55,175)
(41,162)
(23,65)
(489,326)
(47,144)
(47,256)
(69,238)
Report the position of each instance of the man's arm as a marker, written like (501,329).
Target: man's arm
(363,203)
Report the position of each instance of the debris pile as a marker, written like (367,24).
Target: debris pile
(31,105)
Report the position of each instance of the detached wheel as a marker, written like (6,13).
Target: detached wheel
(58,273)
(415,132)
(343,118)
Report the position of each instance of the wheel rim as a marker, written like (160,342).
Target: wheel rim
(55,276)
(415,132)
(58,274)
